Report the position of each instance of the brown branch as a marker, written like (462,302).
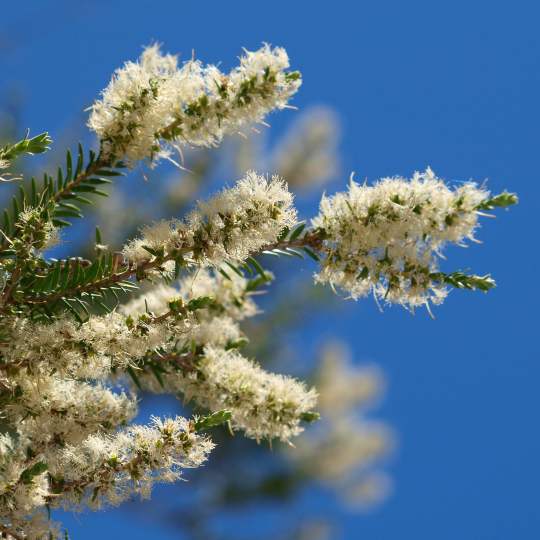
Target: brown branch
(310,239)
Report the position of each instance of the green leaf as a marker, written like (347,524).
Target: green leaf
(297,232)
(310,416)
(200,303)
(294,252)
(460,280)
(35,145)
(499,201)
(35,470)
(311,253)
(257,266)
(133,375)
(234,269)
(212,420)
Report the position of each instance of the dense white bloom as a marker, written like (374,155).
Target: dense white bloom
(160,235)
(155,300)
(228,227)
(264,405)
(112,468)
(231,294)
(154,100)
(386,238)
(20,498)
(86,351)
(55,411)
(129,115)
(242,219)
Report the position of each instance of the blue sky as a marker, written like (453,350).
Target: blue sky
(453,85)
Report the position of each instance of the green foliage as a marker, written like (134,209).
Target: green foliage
(310,416)
(35,470)
(45,287)
(200,303)
(502,200)
(59,199)
(212,420)
(460,280)
(35,145)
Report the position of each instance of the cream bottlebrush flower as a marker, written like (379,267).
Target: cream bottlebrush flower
(241,220)
(89,350)
(155,300)
(153,101)
(162,235)
(17,498)
(129,115)
(386,238)
(53,411)
(230,294)
(264,405)
(245,96)
(112,468)
(228,227)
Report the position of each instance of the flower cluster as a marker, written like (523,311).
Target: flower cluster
(229,227)
(264,405)
(52,411)
(73,358)
(111,468)
(386,238)
(154,100)
(71,350)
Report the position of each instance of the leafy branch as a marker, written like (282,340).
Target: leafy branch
(35,145)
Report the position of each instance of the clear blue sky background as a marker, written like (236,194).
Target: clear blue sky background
(454,85)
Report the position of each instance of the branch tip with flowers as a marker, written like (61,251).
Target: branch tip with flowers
(68,337)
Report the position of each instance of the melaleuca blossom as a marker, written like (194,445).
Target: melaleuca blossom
(21,501)
(111,468)
(263,405)
(201,365)
(128,116)
(52,411)
(90,350)
(152,104)
(386,239)
(231,293)
(72,359)
(228,227)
